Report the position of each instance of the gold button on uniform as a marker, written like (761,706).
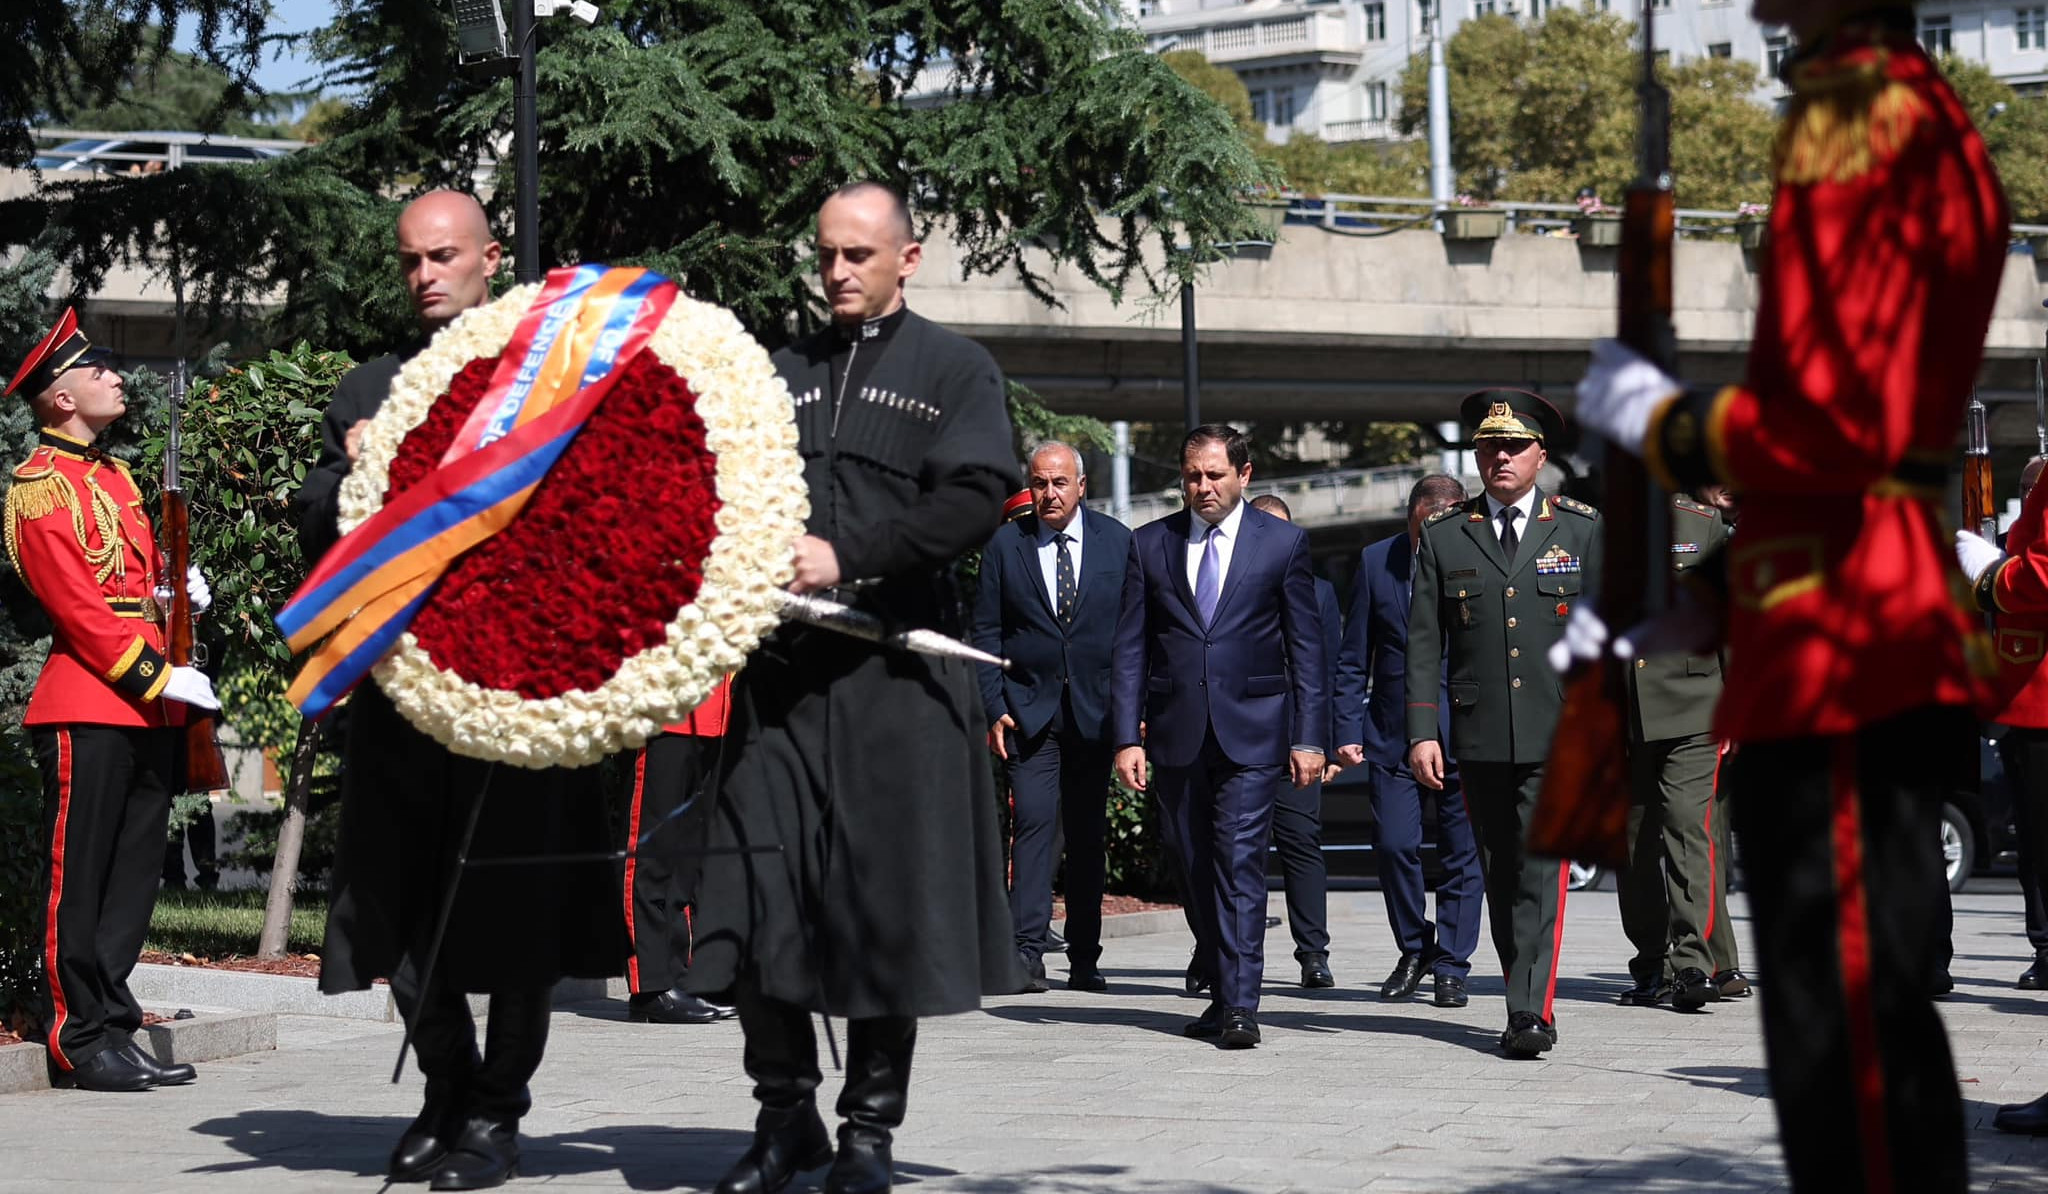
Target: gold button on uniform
(1516,683)
(1514,652)
(1511,623)
(1642,663)
(1511,590)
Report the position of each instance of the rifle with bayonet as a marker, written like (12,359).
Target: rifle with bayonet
(1978,513)
(204,768)
(1582,812)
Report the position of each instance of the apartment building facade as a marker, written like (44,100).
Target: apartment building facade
(1333,67)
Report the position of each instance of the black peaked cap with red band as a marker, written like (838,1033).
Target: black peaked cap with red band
(65,347)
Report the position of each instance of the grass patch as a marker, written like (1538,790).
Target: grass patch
(220,924)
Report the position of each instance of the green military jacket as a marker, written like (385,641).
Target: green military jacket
(1673,696)
(1496,620)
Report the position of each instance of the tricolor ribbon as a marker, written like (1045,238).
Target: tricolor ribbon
(586,323)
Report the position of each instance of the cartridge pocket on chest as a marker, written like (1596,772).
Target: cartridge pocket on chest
(1461,600)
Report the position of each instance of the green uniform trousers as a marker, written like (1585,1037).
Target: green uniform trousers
(1672,901)
(1524,894)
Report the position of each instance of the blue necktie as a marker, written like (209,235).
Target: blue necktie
(1209,578)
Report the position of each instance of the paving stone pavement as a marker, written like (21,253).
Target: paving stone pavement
(1065,1092)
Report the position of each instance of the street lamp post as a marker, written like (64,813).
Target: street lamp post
(1190,342)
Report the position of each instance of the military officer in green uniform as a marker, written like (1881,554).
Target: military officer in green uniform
(1668,891)
(1495,582)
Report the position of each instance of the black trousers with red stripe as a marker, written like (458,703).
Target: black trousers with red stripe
(661,879)
(1525,894)
(1841,858)
(106,810)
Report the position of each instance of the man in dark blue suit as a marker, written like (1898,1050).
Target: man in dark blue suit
(1298,812)
(1050,586)
(1218,654)
(1374,729)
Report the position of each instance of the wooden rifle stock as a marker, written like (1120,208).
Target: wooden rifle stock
(204,768)
(1582,812)
(1978,513)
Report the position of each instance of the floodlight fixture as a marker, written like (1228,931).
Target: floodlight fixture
(480,30)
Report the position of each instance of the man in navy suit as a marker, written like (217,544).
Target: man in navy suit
(1050,585)
(1298,812)
(1218,654)
(1374,729)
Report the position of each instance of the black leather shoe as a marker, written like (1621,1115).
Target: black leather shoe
(1527,1036)
(1196,981)
(1648,992)
(1941,984)
(482,1157)
(1054,943)
(1086,978)
(1693,990)
(787,1141)
(1209,1026)
(675,1006)
(2035,977)
(1450,991)
(1315,972)
(1034,975)
(175,1074)
(1406,977)
(110,1070)
(418,1154)
(2026,1119)
(1733,984)
(1240,1031)
(863,1165)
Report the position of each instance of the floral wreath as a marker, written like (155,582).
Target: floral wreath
(645,567)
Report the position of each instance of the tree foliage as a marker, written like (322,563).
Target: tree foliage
(168,89)
(697,137)
(2015,129)
(72,53)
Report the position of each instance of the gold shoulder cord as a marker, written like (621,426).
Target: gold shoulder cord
(107,559)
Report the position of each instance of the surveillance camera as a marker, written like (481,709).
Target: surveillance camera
(584,11)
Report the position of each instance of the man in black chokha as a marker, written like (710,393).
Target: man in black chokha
(1495,583)
(886,902)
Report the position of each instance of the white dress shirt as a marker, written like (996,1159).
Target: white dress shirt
(1526,504)
(1049,556)
(1226,540)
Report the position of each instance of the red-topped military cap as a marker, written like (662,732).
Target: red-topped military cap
(65,347)
(1017,505)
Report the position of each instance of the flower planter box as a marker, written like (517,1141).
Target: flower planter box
(2038,242)
(1270,214)
(1474,223)
(1600,232)
(1752,233)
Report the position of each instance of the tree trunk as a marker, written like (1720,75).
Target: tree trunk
(284,870)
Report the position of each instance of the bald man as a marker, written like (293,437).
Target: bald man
(514,931)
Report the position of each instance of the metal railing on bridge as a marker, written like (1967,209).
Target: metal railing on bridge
(1317,499)
(71,152)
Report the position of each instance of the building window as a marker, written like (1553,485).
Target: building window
(1375,22)
(1283,107)
(1935,35)
(1262,107)
(1482,8)
(2031,25)
(1376,101)
(1721,49)
(1776,50)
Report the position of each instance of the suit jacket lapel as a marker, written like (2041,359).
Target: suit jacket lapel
(1100,568)
(1250,532)
(1027,557)
(1542,528)
(1177,560)
(1486,535)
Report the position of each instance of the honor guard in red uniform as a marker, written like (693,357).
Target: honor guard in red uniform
(661,875)
(79,538)
(2012,586)
(1854,658)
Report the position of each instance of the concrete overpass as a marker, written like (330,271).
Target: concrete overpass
(1331,322)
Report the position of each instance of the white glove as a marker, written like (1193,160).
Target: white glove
(1584,635)
(190,685)
(1976,553)
(196,589)
(1618,393)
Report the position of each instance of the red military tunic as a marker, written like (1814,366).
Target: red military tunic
(79,537)
(1887,242)
(2015,591)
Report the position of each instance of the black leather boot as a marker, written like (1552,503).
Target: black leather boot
(444,1042)
(878,1053)
(424,1145)
(782,1059)
(175,1073)
(482,1157)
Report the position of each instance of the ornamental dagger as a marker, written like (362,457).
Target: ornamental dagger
(825,614)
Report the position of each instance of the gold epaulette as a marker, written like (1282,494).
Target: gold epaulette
(1442,514)
(1575,506)
(34,494)
(1682,502)
(1846,118)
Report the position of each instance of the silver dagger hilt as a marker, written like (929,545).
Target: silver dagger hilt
(812,610)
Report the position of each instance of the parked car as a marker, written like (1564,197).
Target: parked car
(139,153)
